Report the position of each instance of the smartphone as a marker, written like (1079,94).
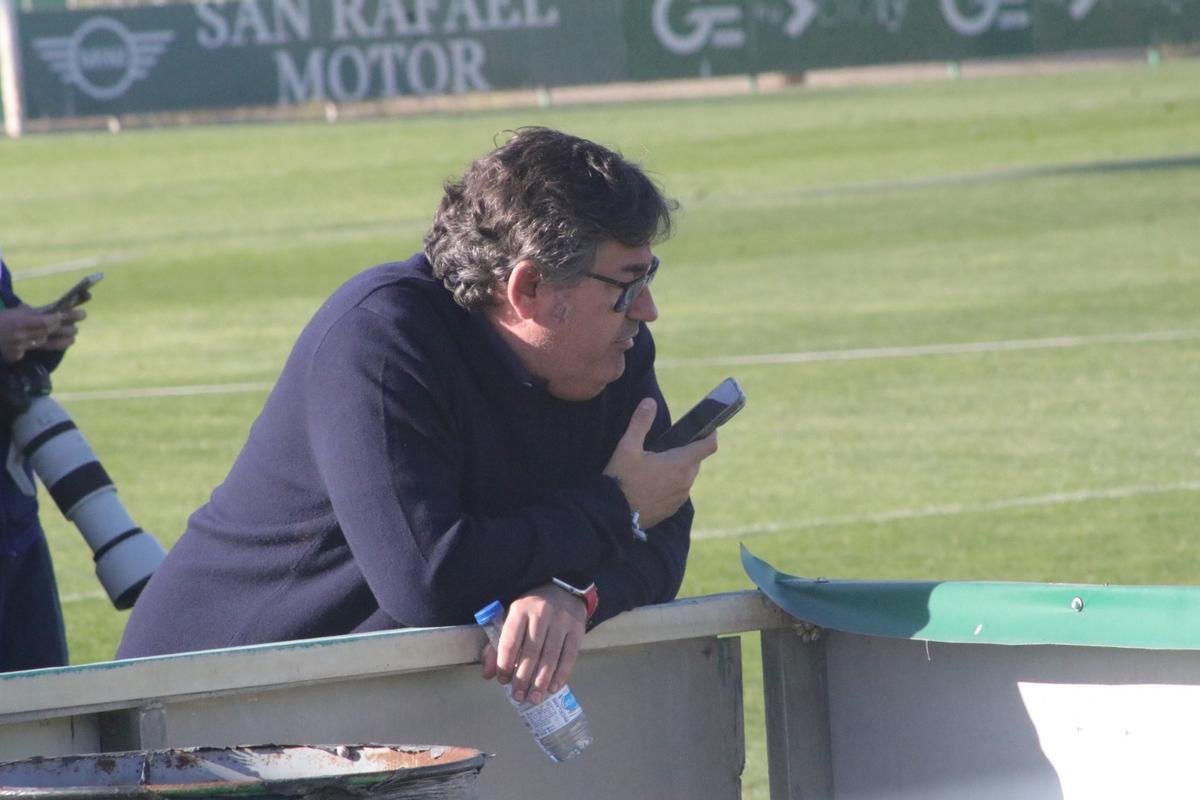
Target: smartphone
(76,294)
(717,408)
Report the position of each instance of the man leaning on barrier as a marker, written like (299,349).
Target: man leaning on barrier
(459,427)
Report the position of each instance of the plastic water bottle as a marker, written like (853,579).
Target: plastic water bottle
(558,723)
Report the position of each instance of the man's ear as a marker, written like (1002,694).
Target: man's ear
(523,287)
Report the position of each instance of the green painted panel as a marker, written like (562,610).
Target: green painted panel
(1142,617)
(229,53)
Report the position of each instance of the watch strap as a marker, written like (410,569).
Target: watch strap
(589,596)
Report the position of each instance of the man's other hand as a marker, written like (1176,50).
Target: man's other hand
(539,643)
(23,329)
(64,336)
(655,484)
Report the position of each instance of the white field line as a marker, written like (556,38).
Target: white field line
(953,509)
(1182,161)
(887,516)
(79,597)
(75,265)
(166,391)
(929,349)
(708,361)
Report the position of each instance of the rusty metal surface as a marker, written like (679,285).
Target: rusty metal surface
(307,772)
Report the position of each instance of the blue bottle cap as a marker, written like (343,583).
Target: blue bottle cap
(489,612)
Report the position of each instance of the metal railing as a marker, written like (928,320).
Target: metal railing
(662,686)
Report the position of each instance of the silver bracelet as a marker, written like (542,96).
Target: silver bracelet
(638,533)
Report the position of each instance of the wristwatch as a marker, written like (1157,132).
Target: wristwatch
(588,595)
(635,518)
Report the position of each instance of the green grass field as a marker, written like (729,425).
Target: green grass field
(884,221)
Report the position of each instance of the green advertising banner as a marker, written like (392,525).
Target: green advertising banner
(680,38)
(233,53)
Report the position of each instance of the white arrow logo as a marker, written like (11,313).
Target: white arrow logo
(803,13)
(1081,8)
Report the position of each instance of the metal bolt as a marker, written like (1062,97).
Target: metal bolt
(1077,604)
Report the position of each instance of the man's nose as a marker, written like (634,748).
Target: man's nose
(643,308)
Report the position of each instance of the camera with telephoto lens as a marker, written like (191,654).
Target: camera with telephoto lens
(46,436)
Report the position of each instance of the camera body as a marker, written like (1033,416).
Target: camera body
(47,437)
(19,385)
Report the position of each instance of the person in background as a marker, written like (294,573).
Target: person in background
(31,625)
(464,426)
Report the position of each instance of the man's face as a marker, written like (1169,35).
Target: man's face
(586,340)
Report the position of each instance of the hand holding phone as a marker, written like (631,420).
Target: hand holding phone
(78,294)
(657,478)
(717,408)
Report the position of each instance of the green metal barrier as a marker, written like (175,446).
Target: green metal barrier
(287,52)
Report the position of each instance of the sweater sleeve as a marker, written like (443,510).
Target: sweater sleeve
(387,451)
(651,571)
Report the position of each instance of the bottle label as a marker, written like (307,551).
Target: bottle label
(556,711)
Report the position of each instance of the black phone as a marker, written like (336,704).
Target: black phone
(717,408)
(76,294)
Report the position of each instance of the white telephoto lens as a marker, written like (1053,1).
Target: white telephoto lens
(125,555)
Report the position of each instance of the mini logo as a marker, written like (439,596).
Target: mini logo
(983,15)
(716,24)
(103,57)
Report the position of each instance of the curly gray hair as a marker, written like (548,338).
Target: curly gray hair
(545,196)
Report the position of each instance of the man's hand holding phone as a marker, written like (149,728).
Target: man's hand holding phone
(64,336)
(655,484)
(23,329)
(50,327)
(77,295)
(657,478)
(66,309)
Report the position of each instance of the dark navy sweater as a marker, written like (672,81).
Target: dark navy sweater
(405,471)
(19,526)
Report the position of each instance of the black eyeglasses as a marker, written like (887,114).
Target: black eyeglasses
(629,289)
